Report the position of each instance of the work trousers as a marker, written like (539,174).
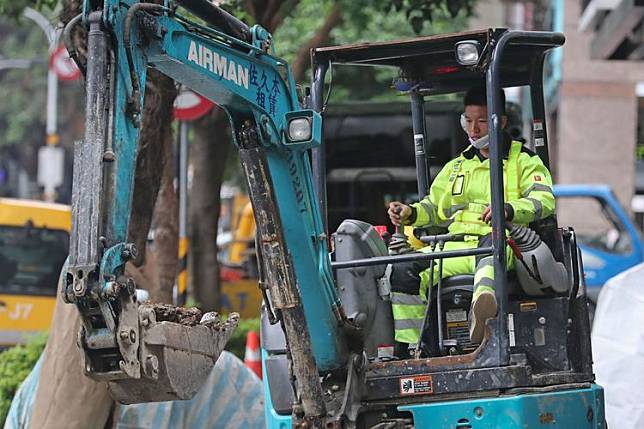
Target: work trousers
(410,281)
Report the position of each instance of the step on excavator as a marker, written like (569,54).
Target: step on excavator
(327,329)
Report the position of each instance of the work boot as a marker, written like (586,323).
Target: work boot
(483,308)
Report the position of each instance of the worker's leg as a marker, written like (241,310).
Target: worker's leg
(407,306)
(409,283)
(484,305)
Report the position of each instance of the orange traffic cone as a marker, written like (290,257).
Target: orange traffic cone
(252,358)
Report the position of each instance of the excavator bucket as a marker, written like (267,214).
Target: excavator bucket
(175,355)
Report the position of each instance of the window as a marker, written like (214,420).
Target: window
(596,224)
(31,259)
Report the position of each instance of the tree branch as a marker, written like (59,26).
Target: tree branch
(282,12)
(300,63)
(250,9)
(269,10)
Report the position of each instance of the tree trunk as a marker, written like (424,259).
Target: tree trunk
(156,136)
(209,153)
(166,230)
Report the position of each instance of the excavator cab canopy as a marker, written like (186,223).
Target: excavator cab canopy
(432,62)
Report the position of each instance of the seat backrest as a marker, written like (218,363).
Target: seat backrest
(358,287)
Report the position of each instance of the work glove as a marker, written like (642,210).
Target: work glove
(398,213)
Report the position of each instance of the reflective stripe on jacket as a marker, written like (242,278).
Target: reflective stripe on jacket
(461,191)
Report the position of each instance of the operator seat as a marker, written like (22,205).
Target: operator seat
(364,301)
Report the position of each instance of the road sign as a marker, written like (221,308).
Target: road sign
(64,67)
(189,106)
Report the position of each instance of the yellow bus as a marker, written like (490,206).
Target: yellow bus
(34,242)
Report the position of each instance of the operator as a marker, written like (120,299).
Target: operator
(459,199)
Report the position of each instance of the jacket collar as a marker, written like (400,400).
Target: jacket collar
(471,151)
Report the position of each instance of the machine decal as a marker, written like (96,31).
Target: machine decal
(218,64)
(546,418)
(511,333)
(418,385)
(528,306)
(456,315)
(297,184)
(267,89)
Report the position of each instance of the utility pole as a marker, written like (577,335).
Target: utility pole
(182,278)
(51,156)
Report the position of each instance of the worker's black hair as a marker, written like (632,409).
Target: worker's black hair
(477,96)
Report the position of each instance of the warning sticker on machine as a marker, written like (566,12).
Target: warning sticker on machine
(456,315)
(419,385)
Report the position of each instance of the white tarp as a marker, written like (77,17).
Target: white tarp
(618,348)
(231,397)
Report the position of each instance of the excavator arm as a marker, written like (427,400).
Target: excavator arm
(143,357)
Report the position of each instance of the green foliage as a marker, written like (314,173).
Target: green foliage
(367,20)
(417,13)
(237,342)
(14,8)
(15,364)
(23,118)
(363,21)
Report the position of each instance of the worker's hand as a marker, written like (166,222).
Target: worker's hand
(398,212)
(486,216)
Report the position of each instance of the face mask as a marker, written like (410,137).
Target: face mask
(481,143)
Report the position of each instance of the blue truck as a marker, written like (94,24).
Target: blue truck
(611,243)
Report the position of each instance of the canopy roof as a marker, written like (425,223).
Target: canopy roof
(431,61)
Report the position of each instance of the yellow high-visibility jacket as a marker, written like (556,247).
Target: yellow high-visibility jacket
(461,191)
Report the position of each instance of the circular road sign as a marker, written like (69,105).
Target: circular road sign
(64,67)
(189,105)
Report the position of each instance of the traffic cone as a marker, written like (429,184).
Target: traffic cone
(252,358)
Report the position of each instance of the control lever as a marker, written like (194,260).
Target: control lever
(439,309)
(430,349)
(398,243)
(433,241)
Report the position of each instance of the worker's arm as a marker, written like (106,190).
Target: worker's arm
(426,212)
(537,201)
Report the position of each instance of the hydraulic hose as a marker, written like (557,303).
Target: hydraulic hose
(136,88)
(218,18)
(69,45)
